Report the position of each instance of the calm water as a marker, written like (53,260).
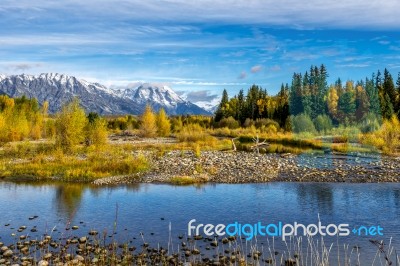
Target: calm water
(149,208)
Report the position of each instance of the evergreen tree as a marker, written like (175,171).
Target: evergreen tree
(240,107)
(282,110)
(373,96)
(251,102)
(397,105)
(219,114)
(306,95)
(388,87)
(339,87)
(387,108)
(322,90)
(347,106)
(362,103)
(295,96)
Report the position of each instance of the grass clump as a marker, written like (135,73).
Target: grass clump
(188,180)
(197,150)
(193,133)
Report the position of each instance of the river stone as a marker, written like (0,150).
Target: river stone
(8,253)
(93,232)
(43,263)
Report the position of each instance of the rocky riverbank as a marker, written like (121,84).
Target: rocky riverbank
(244,167)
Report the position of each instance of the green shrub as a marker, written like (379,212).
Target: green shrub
(266,122)
(370,123)
(323,123)
(302,123)
(229,122)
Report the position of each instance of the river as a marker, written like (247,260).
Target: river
(160,210)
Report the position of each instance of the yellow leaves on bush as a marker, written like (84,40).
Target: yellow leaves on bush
(192,133)
(163,124)
(387,138)
(97,133)
(70,124)
(148,127)
(19,119)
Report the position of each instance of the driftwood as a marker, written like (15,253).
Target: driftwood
(258,144)
(233,143)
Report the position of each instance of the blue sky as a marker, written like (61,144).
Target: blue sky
(202,45)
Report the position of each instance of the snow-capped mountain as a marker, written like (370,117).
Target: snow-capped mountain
(58,89)
(161,96)
(208,106)
(207,102)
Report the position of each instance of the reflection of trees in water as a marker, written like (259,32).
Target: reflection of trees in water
(396,195)
(318,196)
(68,198)
(97,191)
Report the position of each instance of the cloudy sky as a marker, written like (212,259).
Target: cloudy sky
(201,45)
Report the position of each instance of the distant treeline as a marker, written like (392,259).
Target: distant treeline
(309,95)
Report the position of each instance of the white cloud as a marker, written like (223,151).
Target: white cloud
(360,65)
(204,83)
(292,13)
(384,42)
(275,68)
(242,75)
(256,69)
(59,39)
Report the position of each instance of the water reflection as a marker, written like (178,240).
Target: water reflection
(68,198)
(319,196)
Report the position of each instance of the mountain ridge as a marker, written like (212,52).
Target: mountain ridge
(58,89)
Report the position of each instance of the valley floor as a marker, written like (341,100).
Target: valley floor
(130,159)
(184,167)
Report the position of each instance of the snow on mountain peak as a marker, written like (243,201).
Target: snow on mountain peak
(59,88)
(160,94)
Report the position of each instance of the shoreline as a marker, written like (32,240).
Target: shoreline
(248,167)
(244,167)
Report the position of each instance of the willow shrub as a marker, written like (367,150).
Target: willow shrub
(387,138)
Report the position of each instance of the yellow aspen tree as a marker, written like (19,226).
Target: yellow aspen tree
(163,124)
(70,125)
(3,132)
(332,101)
(148,127)
(97,133)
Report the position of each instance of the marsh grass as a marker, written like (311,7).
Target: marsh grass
(189,180)
(44,162)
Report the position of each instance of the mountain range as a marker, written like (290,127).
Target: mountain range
(58,89)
